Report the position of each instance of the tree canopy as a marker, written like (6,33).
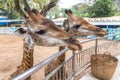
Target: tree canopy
(93,8)
(8,5)
(97,8)
(102,8)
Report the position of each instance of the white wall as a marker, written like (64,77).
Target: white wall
(7,30)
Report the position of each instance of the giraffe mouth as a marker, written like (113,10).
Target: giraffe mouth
(101,34)
(73,44)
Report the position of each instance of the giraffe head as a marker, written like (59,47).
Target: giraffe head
(43,32)
(79,26)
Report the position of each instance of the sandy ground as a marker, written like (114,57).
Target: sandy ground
(116,75)
(11,55)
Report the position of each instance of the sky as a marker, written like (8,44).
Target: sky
(68,3)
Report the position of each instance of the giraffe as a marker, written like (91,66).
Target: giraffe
(79,26)
(75,26)
(39,31)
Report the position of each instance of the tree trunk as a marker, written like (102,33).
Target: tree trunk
(48,7)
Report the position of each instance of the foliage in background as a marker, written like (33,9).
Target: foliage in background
(53,12)
(102,8)
(116,3)
(98,8)
(8,5)
(93,8)
(39,4)
(81,9)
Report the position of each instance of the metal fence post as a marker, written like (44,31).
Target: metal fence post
(73,64)
(96,45)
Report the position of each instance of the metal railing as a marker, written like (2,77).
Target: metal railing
(73,65)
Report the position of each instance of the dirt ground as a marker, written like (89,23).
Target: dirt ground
(11,55)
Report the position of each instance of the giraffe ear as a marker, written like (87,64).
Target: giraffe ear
(21,31)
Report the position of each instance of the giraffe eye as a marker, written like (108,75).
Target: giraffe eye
(76,26)
(40,32)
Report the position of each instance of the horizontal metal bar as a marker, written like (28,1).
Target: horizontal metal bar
(46,61)
(38,66)
(85,41)
(111,35)
(57,68)
(53,72)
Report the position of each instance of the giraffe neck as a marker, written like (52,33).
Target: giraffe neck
(60,59)
(27,61)
(55,63)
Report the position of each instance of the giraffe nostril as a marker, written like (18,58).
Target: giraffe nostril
(72,40)
(98,29)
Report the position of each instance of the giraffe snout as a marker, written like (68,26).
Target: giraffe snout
(75,47)
(74,44)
